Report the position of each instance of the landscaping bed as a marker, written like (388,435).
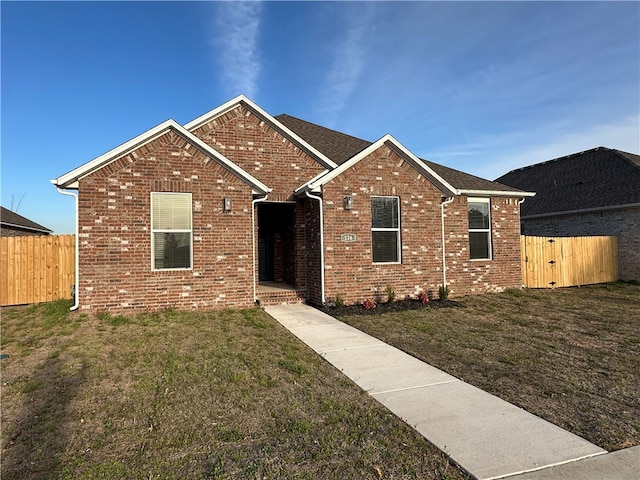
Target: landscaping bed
(571,356)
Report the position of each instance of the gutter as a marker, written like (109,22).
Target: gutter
(24,227)
(315,197)
(253,242)
(444,258)
(76,295)
(582,210)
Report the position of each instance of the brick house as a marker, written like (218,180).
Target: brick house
(238,207)
(595,192)
(13,224)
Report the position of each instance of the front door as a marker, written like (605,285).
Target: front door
(265,255)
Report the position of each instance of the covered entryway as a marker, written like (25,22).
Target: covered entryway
(276,243)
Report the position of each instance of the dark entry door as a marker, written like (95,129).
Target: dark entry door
(265,255)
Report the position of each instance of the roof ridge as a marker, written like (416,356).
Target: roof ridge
(557,159)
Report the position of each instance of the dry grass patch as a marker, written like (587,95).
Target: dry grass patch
(571,356)
(228,394)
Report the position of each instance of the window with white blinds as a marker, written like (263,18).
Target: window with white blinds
(385,229)
(479,228)
(171,231)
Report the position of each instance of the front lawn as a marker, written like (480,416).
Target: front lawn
(571,356)
(228,394)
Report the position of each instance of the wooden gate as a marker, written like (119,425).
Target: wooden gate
(36,269)
(549,262)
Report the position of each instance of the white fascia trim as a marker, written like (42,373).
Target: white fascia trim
(231,104)
(495,193)
(305,187)
(323,179)
(583,210)
(216,112)
(423,165)
(70,179)
(258,187)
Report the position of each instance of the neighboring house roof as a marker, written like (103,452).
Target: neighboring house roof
(598,179)
(13,220)
(70,179)
(343,148)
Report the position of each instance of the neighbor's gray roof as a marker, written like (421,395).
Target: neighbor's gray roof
(597,178)
(13,219)
(340,147)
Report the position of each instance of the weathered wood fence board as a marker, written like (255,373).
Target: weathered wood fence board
(36,269)
(549,262)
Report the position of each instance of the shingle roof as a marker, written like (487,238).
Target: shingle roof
(340,147)
(597,178)
(12,219)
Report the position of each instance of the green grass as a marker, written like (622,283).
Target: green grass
(571,355)
(172,395)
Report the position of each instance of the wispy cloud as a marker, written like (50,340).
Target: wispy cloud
(345,70)
(236,30)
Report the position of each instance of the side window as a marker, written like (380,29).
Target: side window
(171,231)
(479,228)
(385,229)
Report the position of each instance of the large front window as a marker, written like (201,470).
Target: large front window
(385,229)
(171,233)
(479,228)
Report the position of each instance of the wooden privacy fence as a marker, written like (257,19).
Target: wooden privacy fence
(36,268)
(549,262)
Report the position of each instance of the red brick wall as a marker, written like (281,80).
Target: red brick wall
(115,235)
(465,276)
(349,269)
(253,145)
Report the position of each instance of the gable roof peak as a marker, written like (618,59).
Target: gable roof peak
(70,179)
(272,121)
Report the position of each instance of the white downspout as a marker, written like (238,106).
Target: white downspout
(76,296)
(253,243)
(315,197)
(444,258)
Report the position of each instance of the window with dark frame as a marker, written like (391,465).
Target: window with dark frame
(385,229)
(479,228)
(171,231)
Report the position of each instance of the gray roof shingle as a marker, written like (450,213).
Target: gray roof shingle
(597,178)
(340,147)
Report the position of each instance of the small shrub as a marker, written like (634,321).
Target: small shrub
(423,298)
(369,304)
(391,294)
(443,292)
(339,301)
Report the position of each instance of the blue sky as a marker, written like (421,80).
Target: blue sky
(481,87)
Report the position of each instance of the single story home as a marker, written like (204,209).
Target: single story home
(238,207)
(595,192)
(13,224)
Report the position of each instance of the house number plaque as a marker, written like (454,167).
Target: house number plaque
(348,237)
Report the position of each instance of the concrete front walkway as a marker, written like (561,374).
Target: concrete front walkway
(486,436)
